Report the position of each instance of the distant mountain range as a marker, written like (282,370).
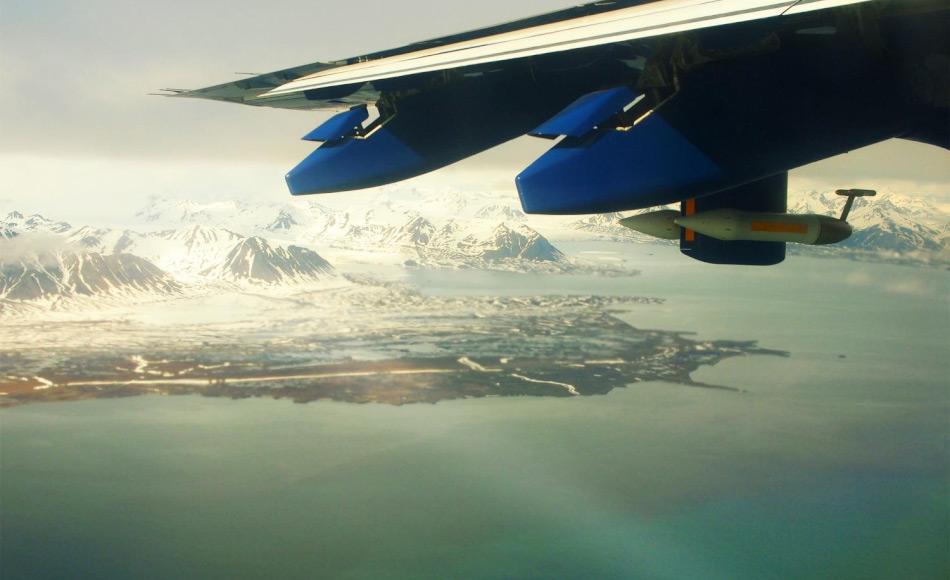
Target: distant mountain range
(476,245)
(55,262)
(889,225)
(203,253)
(15,223)
(446,231)
(433,224)
(52,262)
(175,244)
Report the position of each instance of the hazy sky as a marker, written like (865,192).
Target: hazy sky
(78,132)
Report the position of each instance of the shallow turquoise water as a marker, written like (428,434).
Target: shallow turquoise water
(826,467)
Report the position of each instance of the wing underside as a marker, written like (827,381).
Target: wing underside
(362,79)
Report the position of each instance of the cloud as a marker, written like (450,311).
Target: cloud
(912,287)
(40,246)
(76,77)
(859,278)
(912,284)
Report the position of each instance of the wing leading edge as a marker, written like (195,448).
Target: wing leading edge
(619,25)
(590,25)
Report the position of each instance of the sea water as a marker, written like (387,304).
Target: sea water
(832,463)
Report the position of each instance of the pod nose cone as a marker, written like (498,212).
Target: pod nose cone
(658,224)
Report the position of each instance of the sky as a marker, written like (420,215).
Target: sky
(81,137)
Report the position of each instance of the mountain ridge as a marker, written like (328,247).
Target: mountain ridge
(888,225)
(70,274)
(253,259)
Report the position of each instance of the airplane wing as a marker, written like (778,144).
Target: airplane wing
(649,102)
(582,26)
(640,21)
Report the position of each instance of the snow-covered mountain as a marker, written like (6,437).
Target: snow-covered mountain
(284,221)
(605,225)
(201,253)
(189,251)
(473,237)
(441,226)
(18,222)
(185,252)
(500,211)
(518,243)
(63,275)
(255,260)
(163,211)
(41,258)
(501,243)
(276,243)
(888,223)
(470,243)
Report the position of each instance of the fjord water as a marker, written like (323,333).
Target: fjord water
(833,462)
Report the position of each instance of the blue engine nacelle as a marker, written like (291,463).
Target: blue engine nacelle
(421,131)
(350,159)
